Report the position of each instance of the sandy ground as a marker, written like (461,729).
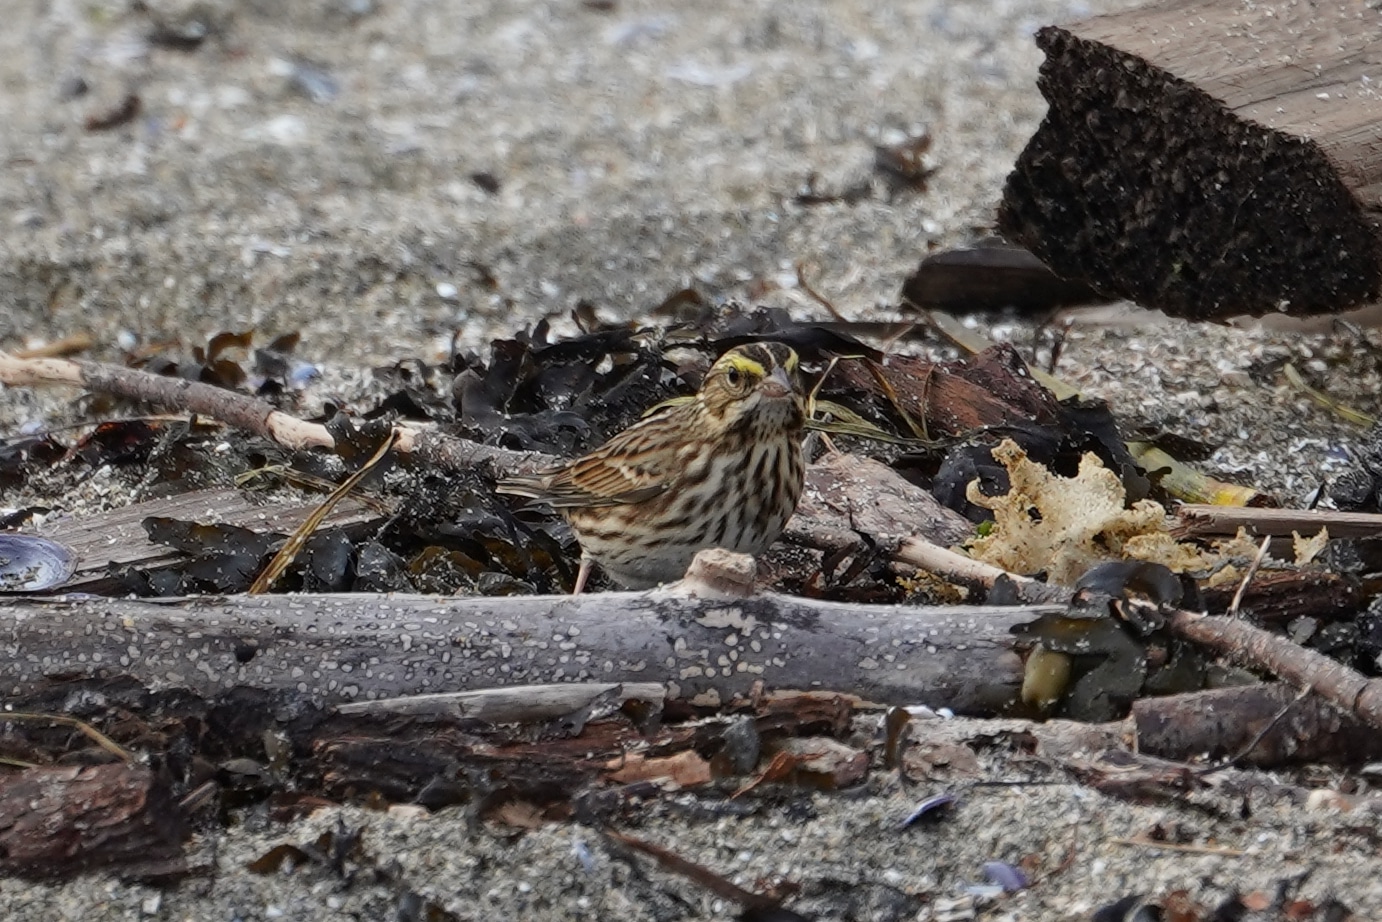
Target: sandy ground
(311,167)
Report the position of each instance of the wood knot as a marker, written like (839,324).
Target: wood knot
(718,572)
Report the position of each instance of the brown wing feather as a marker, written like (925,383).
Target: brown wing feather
(632,467)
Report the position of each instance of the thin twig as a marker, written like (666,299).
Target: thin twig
(17,763)
(1203,519)
(299,537)
(72,344)
(1348,413)
(918,430)
(197,798)
(816,388)
(816,296)
(96,736)
(707,878)
(1141,842)
(1256,564)
(1258,737)
(1340,685)
(255,416)
(886,346)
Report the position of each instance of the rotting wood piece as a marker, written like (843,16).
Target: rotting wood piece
(351,647)
(1210,159)
(435,763)
(1224,722)
(847,495)
(1280,596)
(58,820)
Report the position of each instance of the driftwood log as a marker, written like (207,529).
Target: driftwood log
(339,648)
(1210,159)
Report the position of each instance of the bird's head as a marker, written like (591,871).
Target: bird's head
(755,384)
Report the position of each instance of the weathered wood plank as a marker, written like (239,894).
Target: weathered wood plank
(117,538)
(1210,159)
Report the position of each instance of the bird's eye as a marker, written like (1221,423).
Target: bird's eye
(734,376)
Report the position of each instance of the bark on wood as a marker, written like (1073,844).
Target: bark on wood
(1331,680)
(348,647)
(521,704)
(1224,722)
(1281,596)
(847,495)
(251,414)
(1210,159)
(56,821)
(238,410)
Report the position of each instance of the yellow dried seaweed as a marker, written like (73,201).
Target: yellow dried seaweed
(1242,545)
(1307,549)
(1066,525)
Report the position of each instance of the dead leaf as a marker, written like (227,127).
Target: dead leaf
(685,769)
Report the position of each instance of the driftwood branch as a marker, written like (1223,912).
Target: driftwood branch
(1332,681)
(250,414)
(1210,159)
(341,648)
(234,409)
(519,704)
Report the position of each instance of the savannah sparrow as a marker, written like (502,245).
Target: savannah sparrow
(721,469)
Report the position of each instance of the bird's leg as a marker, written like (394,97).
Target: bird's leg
(582,575)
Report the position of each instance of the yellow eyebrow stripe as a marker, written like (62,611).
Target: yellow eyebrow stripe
(748,366)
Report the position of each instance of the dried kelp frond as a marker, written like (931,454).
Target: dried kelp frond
(568,396)
(562,398)
(979,399)
(222,558)
(417,390)
(229,360)
(457,535)
(19,457)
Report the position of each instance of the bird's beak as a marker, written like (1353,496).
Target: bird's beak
(777,385)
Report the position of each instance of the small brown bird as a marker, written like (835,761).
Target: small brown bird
(721,469)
